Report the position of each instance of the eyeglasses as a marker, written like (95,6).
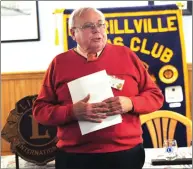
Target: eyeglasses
(91,26)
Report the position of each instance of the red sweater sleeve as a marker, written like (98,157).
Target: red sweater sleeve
(46,110)
(150,97)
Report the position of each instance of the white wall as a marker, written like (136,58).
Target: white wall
(36,56)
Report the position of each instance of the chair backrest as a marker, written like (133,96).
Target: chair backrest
(161,124)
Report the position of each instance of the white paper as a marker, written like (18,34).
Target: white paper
(173,94)
(99,88)
(174,105)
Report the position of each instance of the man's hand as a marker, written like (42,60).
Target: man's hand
(118,105)
(94,112)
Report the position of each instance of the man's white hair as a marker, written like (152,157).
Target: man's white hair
(78,12)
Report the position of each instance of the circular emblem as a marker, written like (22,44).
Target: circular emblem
(169,149)
(36,134)
(32,141)
(168,74)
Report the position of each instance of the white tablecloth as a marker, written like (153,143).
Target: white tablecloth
(9,161)
(183,152)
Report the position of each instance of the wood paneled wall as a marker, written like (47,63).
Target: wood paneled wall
(15,86)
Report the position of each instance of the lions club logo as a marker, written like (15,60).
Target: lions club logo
(30,140)
(168,74)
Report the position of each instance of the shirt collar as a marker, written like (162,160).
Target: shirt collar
(84,53)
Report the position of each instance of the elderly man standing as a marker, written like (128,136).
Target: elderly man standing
(116,147)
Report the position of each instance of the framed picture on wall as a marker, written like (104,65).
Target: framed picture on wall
(19,21)
(186,5)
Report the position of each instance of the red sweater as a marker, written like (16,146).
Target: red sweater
(54,105)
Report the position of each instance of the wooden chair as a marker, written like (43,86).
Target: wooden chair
(162,124)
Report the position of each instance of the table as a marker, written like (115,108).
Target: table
(185,152)
(9,161)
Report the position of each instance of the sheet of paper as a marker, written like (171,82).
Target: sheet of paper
(99,88)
